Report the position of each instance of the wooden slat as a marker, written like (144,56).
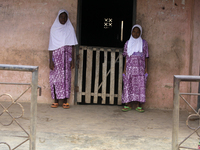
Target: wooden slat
(99,94)
(112,78)
(104,72)
(101,48)
(96,77)
(88,76)
(120,79)
(80,76)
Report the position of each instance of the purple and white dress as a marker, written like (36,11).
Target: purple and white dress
(60,77)
(134,80)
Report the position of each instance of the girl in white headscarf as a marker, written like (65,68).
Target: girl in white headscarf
(61,54)
(135,70)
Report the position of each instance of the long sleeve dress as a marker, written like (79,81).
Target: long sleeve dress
(134,81)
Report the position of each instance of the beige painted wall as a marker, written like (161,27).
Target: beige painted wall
(24,37)
(195,61)
(171,31)
(168,28)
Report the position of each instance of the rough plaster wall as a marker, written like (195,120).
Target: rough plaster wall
(195,46)
(166,27)
(24,37)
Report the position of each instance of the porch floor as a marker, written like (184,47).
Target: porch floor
(96,127)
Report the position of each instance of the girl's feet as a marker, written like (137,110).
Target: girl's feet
(54,105)
(66,105)
(139,109)
(126,108)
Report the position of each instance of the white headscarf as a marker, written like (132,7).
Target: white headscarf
(135,45)
(61,35)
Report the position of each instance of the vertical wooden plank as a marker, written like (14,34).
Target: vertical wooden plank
(120,79)
(88,76)
(112,78)
(96,84)
(80,76)
(104,72)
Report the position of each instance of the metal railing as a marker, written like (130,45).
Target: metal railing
(175,132)
(33,108)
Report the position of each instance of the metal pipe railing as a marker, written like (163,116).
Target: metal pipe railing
(175,130)
(34,87)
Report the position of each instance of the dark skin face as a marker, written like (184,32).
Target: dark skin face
(136,33)
(63,18)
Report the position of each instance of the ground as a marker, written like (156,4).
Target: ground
(96,127)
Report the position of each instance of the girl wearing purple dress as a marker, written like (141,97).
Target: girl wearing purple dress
(135,70)
(61,55)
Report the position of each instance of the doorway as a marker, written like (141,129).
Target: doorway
(106,23)
(103,27)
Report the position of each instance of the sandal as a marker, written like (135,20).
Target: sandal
(126,108)
(65,105)
(54,105)
(139,109)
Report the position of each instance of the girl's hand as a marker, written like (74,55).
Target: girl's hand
(124,72)
(72,64)
(51,65)
(145,71)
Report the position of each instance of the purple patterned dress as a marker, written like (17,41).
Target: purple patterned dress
(134,80)
(60,77)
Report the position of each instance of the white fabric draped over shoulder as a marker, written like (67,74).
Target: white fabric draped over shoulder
(61,35)
(135,45)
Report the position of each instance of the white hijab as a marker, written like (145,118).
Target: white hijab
(135,45)
(61,35)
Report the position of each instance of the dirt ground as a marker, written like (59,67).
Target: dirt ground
(95,127)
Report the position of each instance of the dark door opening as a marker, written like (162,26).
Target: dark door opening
(106,23)
(103,27)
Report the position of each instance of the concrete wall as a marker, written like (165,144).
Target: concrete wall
(195,46)
(169,26)
(24,37)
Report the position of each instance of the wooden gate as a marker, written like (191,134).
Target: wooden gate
(99,75)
